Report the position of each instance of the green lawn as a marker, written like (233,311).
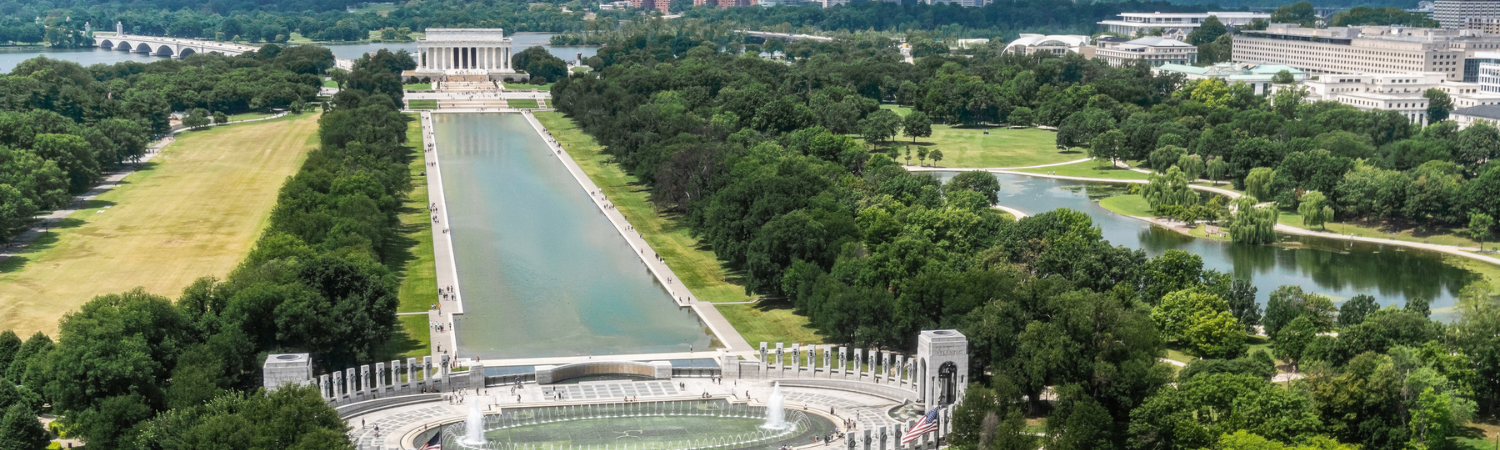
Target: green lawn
(418,272)
(193,211)
(382,9)
(418,87)
(581,69)
(1444,236)
(900,110)
(983,147)
(695,265)
(522,103)
(1089,169)
(526,87)
(249,116)
(330,84)
(1130,205)
(423,104)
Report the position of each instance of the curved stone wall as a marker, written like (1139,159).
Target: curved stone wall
(659,370)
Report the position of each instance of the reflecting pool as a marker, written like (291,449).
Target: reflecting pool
(541,271)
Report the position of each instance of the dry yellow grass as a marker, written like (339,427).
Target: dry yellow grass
(194,211)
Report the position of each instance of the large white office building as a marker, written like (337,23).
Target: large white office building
(1365,49)
(1155,50)
(1175,25)
(1055,44)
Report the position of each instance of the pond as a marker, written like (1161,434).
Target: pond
(542,272)
(1336,268)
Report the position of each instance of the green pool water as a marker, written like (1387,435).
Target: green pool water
(541,269)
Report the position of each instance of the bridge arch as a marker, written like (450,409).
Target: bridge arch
(164,50)
(125,46)
(107,44)
(143,48)
(185,52)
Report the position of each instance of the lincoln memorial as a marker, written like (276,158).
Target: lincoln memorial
(466,53)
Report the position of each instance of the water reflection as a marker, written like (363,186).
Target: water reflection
(1339,269)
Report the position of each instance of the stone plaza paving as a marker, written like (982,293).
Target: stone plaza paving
(399,426)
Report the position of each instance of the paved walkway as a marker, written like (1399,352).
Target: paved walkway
(442,247)
(684,297)
(43,223)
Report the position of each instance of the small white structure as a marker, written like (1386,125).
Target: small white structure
(287,369)
(444,52)
(1054,44)
(1155,50)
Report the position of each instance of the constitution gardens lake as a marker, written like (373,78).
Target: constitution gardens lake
(1336,268)
(541,270)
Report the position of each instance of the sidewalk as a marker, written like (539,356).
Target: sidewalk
(442,247)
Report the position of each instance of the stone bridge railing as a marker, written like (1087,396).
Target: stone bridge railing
(381,380)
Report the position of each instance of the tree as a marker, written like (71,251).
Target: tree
(1354,310)
(1299,13)
(1191,165)
(937,155)
(1242,304)
(1258,183)
(916,125)
(1479,227)
(1170,189)
(197,118)
(1107,146)
(540,64)
(1209,30)
(1080,128)
(1292,340)
(1287,303)
(1315,209)
(1438,105)
(1216,168)
(1202,322)
(1250,224)
(922,156)
(978,181)
(1165,156)
(1283,77)
(880,125)
(1022,116)
(20,429)
(220,117)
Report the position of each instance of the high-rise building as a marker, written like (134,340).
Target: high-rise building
(1370,49)
(1456,13)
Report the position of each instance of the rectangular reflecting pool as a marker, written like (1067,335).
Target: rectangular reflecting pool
(541,270)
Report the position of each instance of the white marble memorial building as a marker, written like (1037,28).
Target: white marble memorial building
(464,51)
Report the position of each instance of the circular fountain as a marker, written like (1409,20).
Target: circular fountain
(661,425)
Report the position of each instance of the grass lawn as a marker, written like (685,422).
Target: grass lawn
(249,116)
(330,84)
(383,9)
(581,69)
(418,87)
(1088,169)
(900,110)
(522,103)
(526,87)
(1441,236)
(193,211)
(423,104)
(418,271)
(977,147)
(696,266)
(1130,205)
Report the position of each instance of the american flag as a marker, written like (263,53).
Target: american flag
(928,423)
(435,443)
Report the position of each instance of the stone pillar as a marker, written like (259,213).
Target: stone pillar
(395,373)
(411,364)
(885,366)
(779,364)
(812,360)
(849,440)
(796,357)
(427,368)
(858,358)
(364,378)
(380,377)
(871,367)
(911,423)
(866,439)
(827,361)
(843,359)
(883,437)
(349,383)
(900,369)
(763,357)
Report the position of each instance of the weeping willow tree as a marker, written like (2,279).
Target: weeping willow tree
(1252,225)
(1170,189)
